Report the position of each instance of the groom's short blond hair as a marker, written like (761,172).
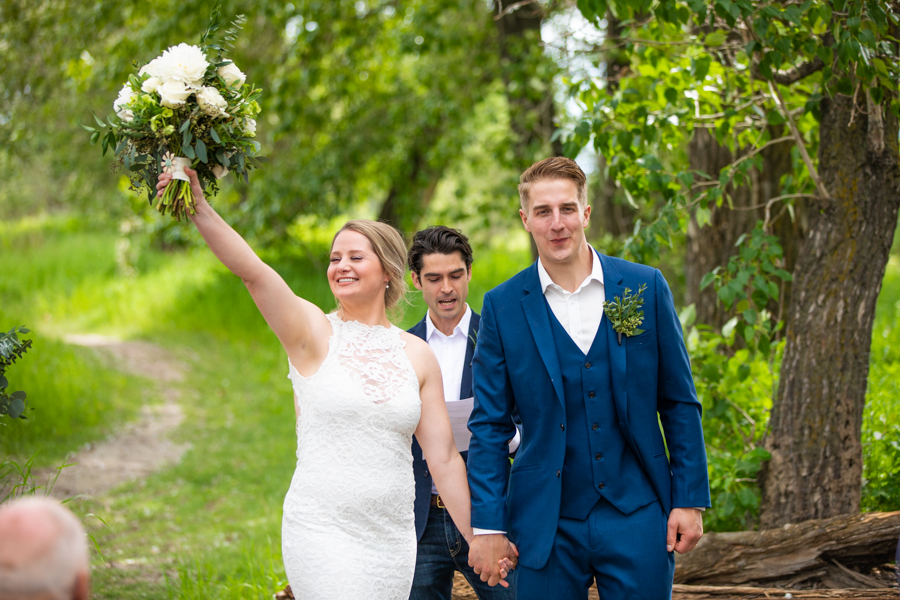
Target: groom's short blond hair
(555,167)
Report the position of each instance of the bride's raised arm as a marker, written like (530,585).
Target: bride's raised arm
(300,325)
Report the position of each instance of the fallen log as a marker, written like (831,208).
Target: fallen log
(834,552)
(707,592)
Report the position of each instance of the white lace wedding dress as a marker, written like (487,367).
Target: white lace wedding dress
(348,531)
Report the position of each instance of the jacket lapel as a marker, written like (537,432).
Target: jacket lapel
(536,314)
(419,329)
(465,387)
(612,282)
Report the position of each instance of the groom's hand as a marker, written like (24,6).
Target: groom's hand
(685,529)
(485,554)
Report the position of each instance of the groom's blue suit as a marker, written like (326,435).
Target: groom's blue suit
(591,441)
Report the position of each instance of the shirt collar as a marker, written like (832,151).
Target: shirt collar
(596,273)
(461,327)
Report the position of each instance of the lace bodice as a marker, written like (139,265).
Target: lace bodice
(348,527)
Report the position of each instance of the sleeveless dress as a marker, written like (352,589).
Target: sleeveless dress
(348,529)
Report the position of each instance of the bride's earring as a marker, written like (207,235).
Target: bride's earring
(387,286)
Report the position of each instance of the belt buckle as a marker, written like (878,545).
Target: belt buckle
(439,503)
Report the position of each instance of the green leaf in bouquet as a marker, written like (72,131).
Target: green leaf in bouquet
(200,148)
(94,137)
(186,139)
(188,151)
(20,395)
(262,159)
(86,128)
(215,135)
(4,382)
(240,160)
(184,126)
(99,122)
(105,144)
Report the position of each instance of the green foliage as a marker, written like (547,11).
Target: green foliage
(625,312)
(736,387)
(12,348)
(881,419)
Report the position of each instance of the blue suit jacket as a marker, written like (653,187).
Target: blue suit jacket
(516,367)
(420,468)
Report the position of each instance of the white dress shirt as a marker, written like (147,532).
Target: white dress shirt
(450,351)
(579,312)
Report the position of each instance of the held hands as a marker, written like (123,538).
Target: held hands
(685,529)
(493,557)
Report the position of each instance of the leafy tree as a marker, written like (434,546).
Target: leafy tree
(823,76)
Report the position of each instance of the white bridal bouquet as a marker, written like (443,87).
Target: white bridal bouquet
(189,107)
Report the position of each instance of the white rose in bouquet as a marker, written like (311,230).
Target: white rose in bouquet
(231,74)
(151,68)
(219,171)
(150,85)
(184,63)
(250,127)
(126,94)
(212,102)
(173,94)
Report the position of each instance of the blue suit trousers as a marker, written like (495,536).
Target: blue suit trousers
(626,554)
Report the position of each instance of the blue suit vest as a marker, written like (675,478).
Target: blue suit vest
(598,461)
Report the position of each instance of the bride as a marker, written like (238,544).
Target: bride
(362,388)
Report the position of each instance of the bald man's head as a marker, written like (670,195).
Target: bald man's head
(43,552)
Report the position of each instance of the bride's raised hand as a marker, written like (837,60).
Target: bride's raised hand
(196,190)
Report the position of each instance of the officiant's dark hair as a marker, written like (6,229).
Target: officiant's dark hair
(438,239)
(555,167)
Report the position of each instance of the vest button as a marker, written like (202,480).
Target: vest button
(562,427)
(598,456)
(426,473)
(601,485)
(557,472)
(595,427)
(587,365)
(591,395)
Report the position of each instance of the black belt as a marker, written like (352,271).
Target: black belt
(437,501)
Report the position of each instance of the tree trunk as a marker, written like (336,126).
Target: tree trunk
(413,188)
(814,437)
(712,245)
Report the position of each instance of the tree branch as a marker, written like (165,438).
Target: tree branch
(798,139)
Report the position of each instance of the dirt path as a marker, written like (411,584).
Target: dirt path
(139,448)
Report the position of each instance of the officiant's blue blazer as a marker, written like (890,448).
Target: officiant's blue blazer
(516,367)
(420,468)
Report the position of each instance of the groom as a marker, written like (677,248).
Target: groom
(596,492)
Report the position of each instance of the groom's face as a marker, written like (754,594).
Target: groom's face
(555,219)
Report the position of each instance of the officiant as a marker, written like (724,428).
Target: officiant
(440,262)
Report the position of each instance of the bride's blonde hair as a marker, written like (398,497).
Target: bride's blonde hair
(391,251)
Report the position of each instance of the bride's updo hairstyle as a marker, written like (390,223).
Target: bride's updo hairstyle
(391,251)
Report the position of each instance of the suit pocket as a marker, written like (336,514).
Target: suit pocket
(523,468)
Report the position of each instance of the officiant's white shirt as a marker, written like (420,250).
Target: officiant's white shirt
(450,351)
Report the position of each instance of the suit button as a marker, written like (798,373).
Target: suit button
(598,456)
(557,472)
(426,473)
(562,427)
(591,395)
(587,365)
(595,427)
(601,485)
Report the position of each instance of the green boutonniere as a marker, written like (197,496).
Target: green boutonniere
(625,313)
